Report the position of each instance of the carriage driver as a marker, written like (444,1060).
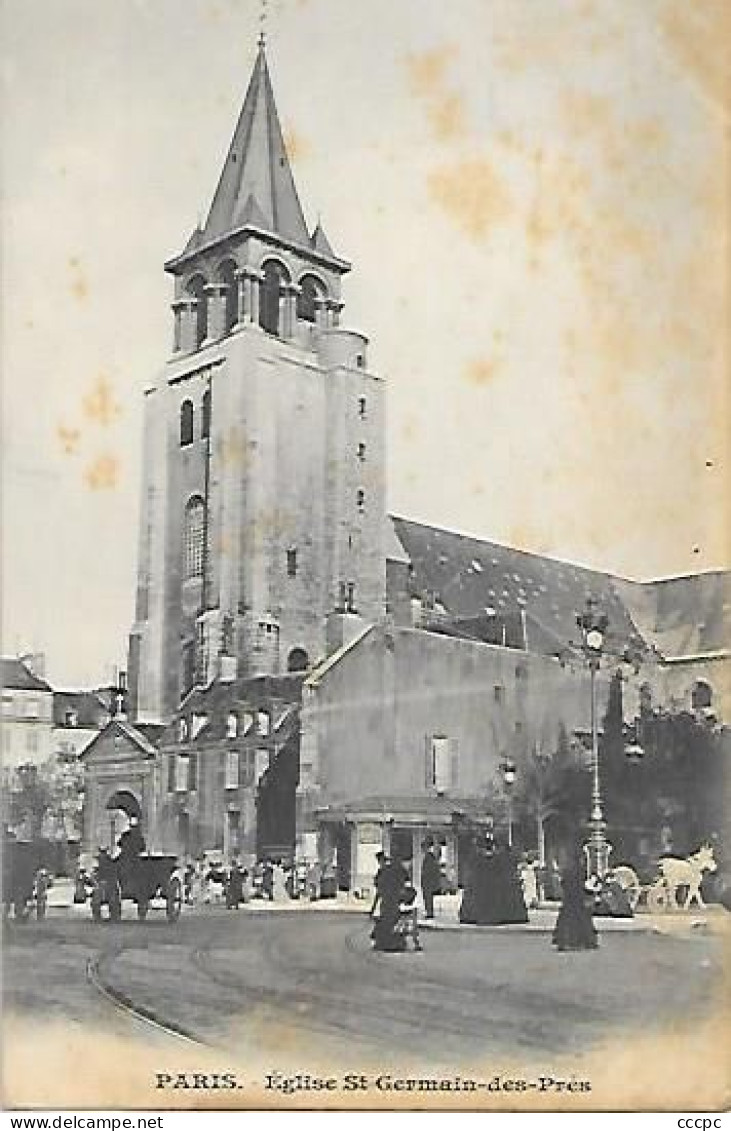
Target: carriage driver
(131,843)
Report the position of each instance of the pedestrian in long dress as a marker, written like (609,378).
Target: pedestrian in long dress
(392,882)
(509,902)
(279,885)
(574,928)
(431,879)
(529,882)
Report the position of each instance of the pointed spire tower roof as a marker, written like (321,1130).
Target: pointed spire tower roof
(256,187)
(257,180)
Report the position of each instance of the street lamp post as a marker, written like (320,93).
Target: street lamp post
(509,772)
(593,627)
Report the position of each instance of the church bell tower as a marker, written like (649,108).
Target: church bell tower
(263,501)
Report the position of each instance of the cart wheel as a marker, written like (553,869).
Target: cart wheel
(143,906)
(657,897)
(96,904)
(174,899)
(114,900)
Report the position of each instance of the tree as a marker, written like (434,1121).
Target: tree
(552,791)
(29,802)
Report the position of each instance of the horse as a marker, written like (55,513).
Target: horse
(676,873)
(673,873)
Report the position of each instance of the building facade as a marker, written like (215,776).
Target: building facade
(27,713)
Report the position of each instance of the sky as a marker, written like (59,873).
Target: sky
(533,195)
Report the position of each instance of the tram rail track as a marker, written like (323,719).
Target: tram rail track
(127,1005)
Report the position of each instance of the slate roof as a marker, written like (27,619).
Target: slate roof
(479,582)
(256,184)
(89,709)
(221,697)
(15,676)
(486,591)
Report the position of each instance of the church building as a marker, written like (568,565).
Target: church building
(307,673)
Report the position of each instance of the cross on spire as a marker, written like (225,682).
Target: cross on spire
(262,23)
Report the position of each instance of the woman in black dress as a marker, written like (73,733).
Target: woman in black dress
(391,883)
(574,928)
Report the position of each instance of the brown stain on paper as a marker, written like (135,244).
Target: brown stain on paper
(296,144)
(99,405)
(69,439)
(78,285)
(481,371)
(102,474)
(472,194)
(444,106)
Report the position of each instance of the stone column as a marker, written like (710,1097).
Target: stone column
(186,316)
(289,309)
(256,280)
(333,312)
(243,297)
(215,296)
(321,312)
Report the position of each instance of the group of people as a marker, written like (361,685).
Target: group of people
(274,880)
(394,908)
(493,892)
(497,891)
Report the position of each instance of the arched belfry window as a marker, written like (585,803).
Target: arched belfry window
(274,280)
(227,278)
(206,415)
(186,423)
(194,537)
(310,290)
(197,289)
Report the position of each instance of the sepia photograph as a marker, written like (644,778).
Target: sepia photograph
(366,604)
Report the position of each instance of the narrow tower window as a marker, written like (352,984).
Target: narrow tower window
(271,294)
(361,407)
(227,278)
(292,562)
(360,500)
(186,423)
(361,452)
(310,291)
(206,415)
(194,524)
(197,289)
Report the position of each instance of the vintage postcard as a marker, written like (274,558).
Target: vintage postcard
(366,678)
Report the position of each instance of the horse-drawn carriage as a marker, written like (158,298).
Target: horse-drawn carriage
(144,879)
(676,878)
(25,880)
